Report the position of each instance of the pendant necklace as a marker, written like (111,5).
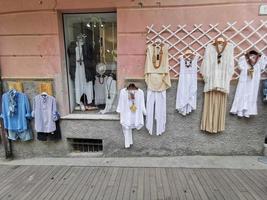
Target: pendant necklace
(250,70)
(219,53)
(131,97)
(157,57)
(109,87)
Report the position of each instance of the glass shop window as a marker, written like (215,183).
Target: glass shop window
(91,52)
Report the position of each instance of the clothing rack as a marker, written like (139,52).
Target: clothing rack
(243,35)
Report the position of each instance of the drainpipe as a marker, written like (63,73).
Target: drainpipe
(5,141)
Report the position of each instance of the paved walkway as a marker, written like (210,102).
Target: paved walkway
(77,183)
(233,162)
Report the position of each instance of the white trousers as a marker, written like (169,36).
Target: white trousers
(156,101)
(81,85)
(128,136)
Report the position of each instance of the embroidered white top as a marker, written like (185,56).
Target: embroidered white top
(157,79)
(245,101)
(128,118)
(217,76)
(186,98)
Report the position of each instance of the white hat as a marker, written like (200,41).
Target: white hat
(101,68)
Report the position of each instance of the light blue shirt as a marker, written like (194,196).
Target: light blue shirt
(17,119)
(44,113)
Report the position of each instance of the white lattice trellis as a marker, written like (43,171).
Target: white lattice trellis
(245,36)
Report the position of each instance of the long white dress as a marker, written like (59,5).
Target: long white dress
(128,119)
(245,101)
(186,97)
(81,85)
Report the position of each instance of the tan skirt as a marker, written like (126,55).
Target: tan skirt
(214,111)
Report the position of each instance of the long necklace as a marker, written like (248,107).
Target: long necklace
(250,70)
(109,87)
(219,53)
(131,97)
(157,57)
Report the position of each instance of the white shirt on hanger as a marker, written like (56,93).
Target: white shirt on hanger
(217,76)
(245,101)
(129,119)
(186,98)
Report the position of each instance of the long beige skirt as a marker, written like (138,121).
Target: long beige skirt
(214,111)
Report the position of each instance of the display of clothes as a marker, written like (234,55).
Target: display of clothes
(157,78)
(245,101)
(217,70)
(110,94)
(186,97)
(16,113)
(82,86)
(131,107)
(45,115)
(100,89)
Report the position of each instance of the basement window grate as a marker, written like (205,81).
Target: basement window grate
(85,145)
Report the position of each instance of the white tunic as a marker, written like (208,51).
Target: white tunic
(100,90)
(81,85)
(186,98)
(110,95)
(129,119)
(218,76)
(245,101)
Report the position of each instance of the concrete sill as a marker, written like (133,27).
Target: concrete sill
(86,154)
(112,117)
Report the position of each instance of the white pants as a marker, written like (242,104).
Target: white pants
(128,136)
(81,85)
(156,101)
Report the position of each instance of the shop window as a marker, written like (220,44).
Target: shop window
(91,53)
(85,145)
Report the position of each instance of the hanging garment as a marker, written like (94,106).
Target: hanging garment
(110,95)
(186,98)
(100,90)
(53,136)
(156,102)
(157,76)
(214,112)
(217,70)
(45,113)
(81,84)
(131,118)
(217,76)
(15,113)
(245,101)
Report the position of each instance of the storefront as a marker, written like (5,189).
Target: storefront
(88,51)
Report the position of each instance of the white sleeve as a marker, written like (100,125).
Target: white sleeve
(242,62)
(204,69)
(231,61)
(263,62)
(120,103)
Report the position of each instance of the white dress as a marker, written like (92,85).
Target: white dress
(100,90)
(81,85)
(186,98)
(245,101)
(128,119)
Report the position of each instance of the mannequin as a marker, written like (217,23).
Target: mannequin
(110,92)
(82,87)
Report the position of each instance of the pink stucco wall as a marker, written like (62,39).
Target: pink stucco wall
(31,31)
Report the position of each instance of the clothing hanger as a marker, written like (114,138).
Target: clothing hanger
(219,40)
(132,86)
(44,94)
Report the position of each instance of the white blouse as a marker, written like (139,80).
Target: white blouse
(186,98)
(129,119)
(245,101)
(218,76)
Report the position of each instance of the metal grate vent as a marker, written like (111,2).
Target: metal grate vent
(85,145)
